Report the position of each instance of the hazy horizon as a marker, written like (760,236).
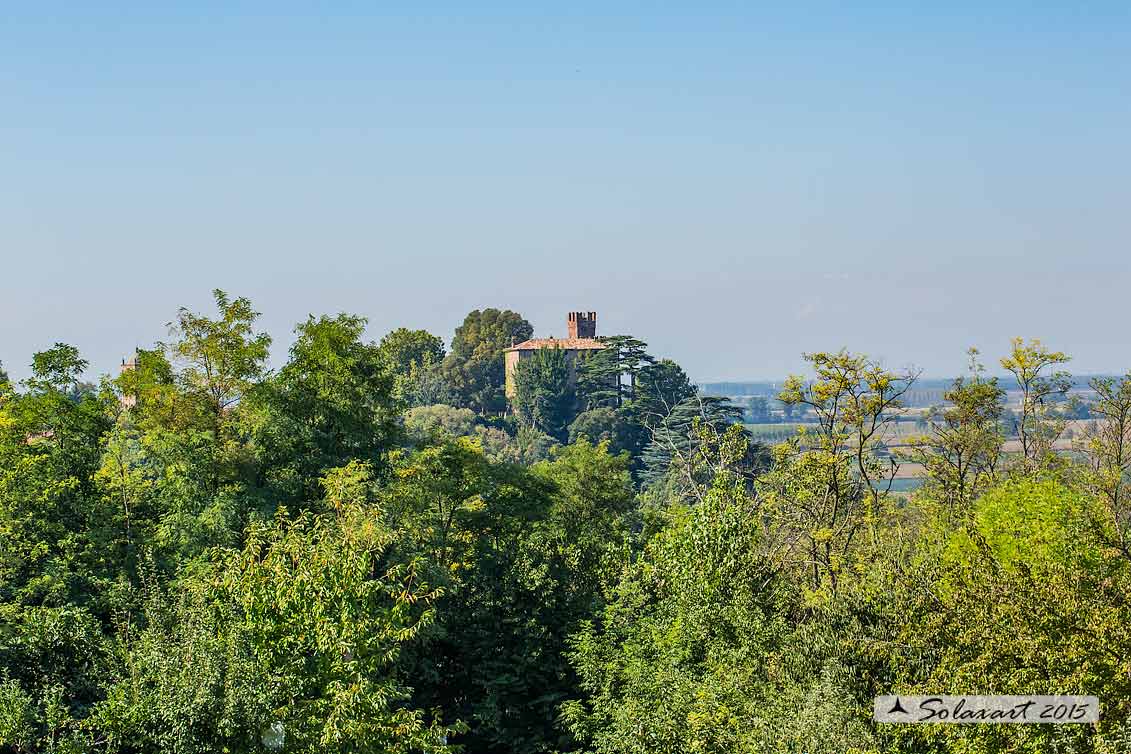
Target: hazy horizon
(735,186)
(110,365)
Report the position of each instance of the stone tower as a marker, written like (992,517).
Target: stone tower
(582,325)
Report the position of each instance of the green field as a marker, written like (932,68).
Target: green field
(779,432)
(772,433)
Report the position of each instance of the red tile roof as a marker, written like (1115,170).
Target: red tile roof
(569,344)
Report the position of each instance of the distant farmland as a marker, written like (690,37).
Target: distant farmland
(897,435)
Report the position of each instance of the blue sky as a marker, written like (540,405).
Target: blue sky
(734,184)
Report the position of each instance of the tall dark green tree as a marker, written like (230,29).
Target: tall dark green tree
(474,366)
(675,437)
(625,394)
(601,374)
(544,396)
(661,386)
(599,379)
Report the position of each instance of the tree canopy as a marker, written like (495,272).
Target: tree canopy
(474,366)
(544,395)
(203,553)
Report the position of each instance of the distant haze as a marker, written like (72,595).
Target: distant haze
(734,185)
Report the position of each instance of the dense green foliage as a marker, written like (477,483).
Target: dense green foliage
(415,358)
(474,366)
(544,395)
(766,620)
(357,552)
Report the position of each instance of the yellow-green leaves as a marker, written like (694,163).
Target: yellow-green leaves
(349,485)
(1038,525)
(1039,426)
(829,484)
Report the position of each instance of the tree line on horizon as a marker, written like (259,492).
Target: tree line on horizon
(365,551)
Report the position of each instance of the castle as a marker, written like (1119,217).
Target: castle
(581,328)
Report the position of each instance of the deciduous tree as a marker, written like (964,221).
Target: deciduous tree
(1038,427)
(221,357)
(474,367)
(828,483)
(1107,445)
(961,454)
(331,403)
